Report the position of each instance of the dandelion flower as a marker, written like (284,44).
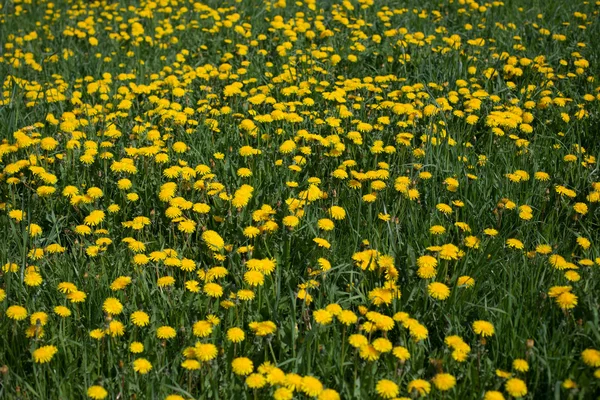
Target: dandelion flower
(256,381)
(283,394)
(516,387)
(422,387)
(401,353)
(311,386)
(387,389)
(205,351)
(520,365)
(444,381)
(329,394)
(213,240)
(242,366)
(202,328)
(62,311)
(44,354)
(136,347)
(591,357)
(166,332)
(483,328)
(323,317)
(347,317)
(140,318)
(438,290)
(97,392)
(235,335)
(254,278)
(337,213)
(493,395)
(18,313)
(116,328)
(142,366)
(112,306)
(566,300)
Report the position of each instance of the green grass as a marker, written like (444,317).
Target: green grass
(410,76)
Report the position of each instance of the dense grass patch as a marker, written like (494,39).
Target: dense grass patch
(244,199)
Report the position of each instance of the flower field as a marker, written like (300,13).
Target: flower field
(346,199)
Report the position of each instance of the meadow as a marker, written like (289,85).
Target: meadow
(306,199)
